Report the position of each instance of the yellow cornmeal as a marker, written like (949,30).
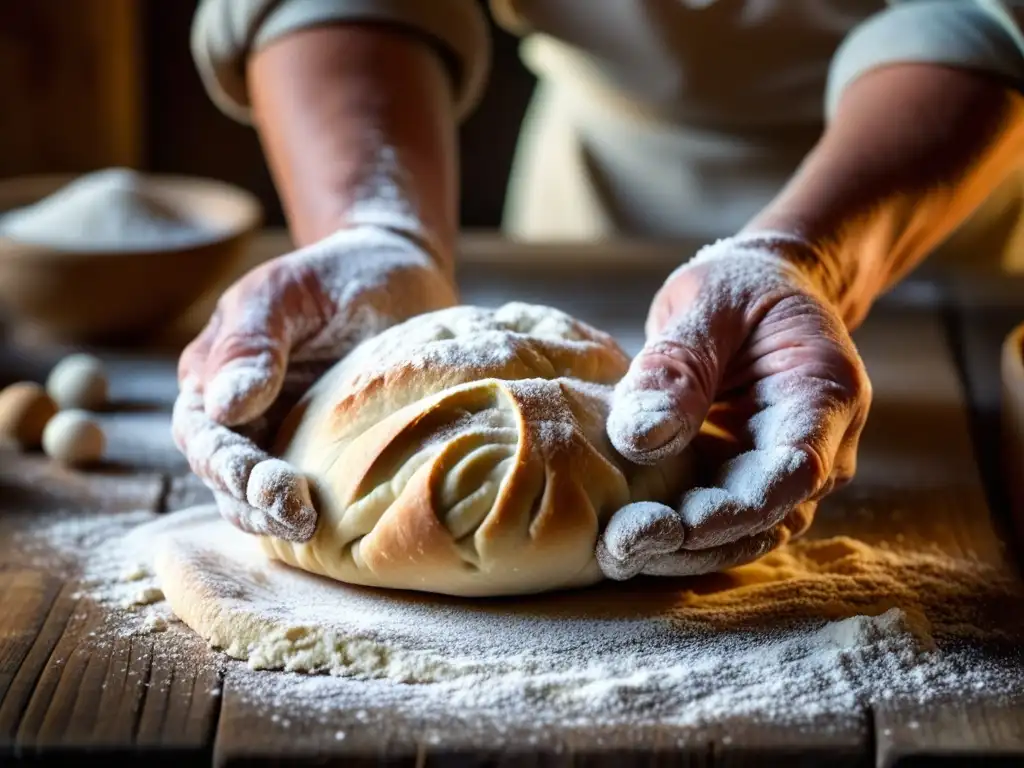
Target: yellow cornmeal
(839,577)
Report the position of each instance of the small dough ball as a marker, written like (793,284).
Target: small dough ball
(78,381)
(25,408)
(73,438)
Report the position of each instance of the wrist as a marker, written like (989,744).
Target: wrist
(405,246)
(830,269)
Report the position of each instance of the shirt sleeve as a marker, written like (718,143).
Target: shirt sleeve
(225,32)
(981,35)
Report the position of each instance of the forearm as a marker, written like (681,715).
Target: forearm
(357,126)
(912,151)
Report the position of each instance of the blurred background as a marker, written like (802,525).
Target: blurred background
(91,84)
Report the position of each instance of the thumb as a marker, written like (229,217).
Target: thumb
(660,404)
(247,360)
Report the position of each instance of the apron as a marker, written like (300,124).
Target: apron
(643,122)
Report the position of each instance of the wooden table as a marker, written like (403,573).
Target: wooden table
(933,354)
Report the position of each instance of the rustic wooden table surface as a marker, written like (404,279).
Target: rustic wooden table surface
(932,351)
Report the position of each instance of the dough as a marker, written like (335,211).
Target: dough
(464,452)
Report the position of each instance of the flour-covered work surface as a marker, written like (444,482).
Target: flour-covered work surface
(893,629)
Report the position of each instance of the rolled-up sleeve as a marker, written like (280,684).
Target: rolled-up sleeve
(980,35)
(225,32)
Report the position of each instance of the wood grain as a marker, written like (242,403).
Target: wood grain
(81,688)
(26,596)
(70,82)
(954,513)
(953,734)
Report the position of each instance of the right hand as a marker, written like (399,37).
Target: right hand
(274,332)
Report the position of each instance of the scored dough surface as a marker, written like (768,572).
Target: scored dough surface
(464,452)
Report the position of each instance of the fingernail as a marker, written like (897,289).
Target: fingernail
(276,487)
(238,392)
(644,424)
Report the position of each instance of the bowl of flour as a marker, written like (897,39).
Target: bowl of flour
(116,255)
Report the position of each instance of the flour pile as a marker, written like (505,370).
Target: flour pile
(819,630)
(109,209)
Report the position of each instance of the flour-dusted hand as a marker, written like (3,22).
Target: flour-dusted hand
(273,333)
(748,359)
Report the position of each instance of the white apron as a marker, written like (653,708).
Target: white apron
(683,119)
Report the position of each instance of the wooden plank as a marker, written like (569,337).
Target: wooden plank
(263,731)
(71,75)
(26,596)
(906,357)
(33,483)
(77,679)
(186,491)
(20,691)
(955,734)
(80,687)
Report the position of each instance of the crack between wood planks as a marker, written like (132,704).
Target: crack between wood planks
(874,751)
(164,496)
(216,708)
(13,734)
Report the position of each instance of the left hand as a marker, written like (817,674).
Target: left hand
(745,342)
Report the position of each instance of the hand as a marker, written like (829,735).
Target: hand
(745,341)
(273,334)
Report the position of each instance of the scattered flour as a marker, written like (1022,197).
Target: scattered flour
(145,596)
(814,633)
(109,209)
(154,623)
(134,572)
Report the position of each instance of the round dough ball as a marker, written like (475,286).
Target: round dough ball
(78,381)
(465,452)
(73,438)
(25,408)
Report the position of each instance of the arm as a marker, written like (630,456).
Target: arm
(357,124)
(912,150)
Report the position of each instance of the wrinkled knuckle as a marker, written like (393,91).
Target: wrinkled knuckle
(672,361)
(799,520)
(817,466)
(850,379)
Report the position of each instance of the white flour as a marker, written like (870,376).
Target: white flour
(577,659)
(104,210)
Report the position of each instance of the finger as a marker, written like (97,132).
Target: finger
(232,465)
(260,319)
(800,518)
(845,467)
(634,535)
(716,559)
(246,362)
(192,363)
(796,434)
(248,519)
(753,493)
(665,396)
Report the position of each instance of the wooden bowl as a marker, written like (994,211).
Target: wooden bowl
(1012,418)
(97,296)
